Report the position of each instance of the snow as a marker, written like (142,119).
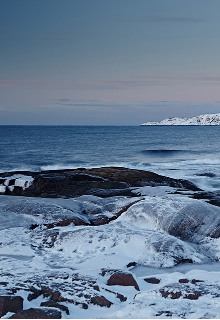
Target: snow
(142,234)
(204,120)
(20,181)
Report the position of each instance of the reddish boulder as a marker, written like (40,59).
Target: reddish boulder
(122,279)
(35,313)
(10,304)
(53,304)
(152,280)
(170,294)
(183,280)
(101,301)
(194,281)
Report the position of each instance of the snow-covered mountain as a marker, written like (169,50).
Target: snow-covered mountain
(202,120)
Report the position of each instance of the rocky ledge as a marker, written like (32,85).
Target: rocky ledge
(102,182)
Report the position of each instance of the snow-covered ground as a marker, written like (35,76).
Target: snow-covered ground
(204,120)
(158,233)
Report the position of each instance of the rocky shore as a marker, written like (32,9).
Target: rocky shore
(71,241)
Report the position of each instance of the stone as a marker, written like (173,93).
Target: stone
(53,304)
(122,279)
(35,293)
(194,281)
(10,304)
(37,313)
(101,301)
(152,280)
(170,294)
(183,280)
(131,264)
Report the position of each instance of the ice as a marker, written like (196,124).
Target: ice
(2,189)
(144,234)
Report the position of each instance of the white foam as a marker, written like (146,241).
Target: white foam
(2,189)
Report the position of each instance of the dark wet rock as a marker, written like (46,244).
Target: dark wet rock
(170,294)
(37,313)
(103,182)
(35,293)
(193,296)
(211,197)
(166,313)
(183,280)
(54,295)
(122,279)
(66,222)
(121,297)
(131,264)
(179,260)
(206,174)
(10,304)
(101,301)
(185,290)
(3,283)
(107,272)
(195,281)
(34,226)
(152,280)
(53,304)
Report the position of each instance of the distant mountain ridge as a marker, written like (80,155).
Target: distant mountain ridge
(202,120)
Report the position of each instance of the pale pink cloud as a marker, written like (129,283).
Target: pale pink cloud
(8,83)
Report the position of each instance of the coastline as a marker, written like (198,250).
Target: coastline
(73,238)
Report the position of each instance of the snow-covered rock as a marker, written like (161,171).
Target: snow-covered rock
(202,120)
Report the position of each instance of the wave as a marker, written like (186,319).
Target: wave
(164,152)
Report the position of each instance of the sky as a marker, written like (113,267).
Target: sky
(108,62)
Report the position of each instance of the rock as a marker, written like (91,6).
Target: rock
(183,280)
(131,264)
(194,281)
(193,296)
(122,279)
(179,260)
(206,174)
(121,297)
(101,301)
(53,304)
(35,293)
(186,292)
(152,280)
(37,313)
(10,304)
(108,272)
(103,182)
(54,295)
(170,294)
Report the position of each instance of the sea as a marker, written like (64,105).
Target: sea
(186,152)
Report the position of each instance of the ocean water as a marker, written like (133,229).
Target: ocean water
(188,152)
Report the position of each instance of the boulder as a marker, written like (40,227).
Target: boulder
(122,279)
(53,304)
(10,304)
(101,301)
(37,313)
(152,280)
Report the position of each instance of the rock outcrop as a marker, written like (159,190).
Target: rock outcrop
(102,182)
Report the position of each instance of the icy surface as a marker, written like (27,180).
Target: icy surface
(204,120)
(155,232)
(17,180)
